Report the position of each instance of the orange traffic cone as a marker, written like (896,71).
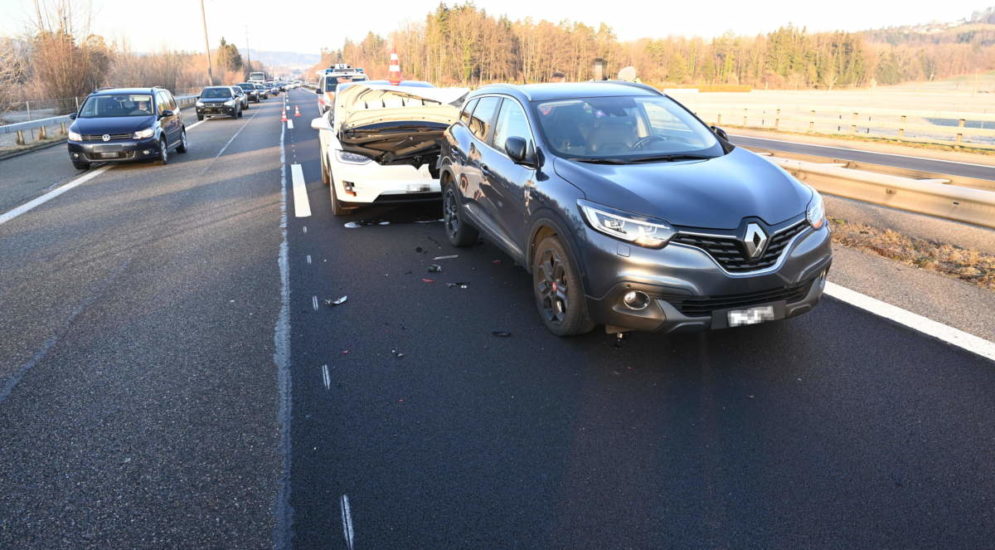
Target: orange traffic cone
(283,118)
(297,111)
(394,70)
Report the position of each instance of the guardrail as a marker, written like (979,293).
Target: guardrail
(42,124)
(932,196)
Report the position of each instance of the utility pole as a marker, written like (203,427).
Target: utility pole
(207,44)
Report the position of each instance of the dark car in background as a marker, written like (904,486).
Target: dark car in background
(243,98)
(262,91)
(628,210)
(125,125)
(218,101)
(250,90)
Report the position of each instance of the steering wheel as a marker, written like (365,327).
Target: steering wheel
(643,142)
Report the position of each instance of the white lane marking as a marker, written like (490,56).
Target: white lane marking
(281,358)
(325,377)
(196,124)
(302,208)
(32,204)
(308,259)
(314,302)
(305,229)
(948,334)
(230,140)
(290,124)
(346,521)
(863,151)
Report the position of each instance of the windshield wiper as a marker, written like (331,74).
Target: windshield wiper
(671,158)
(598,161)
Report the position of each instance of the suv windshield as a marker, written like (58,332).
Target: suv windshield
(215,93)
(624,129)
(247,86)
(117,105)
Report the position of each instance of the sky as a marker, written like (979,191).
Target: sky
(306,26)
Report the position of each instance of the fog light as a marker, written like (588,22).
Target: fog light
(636,300)
(146,151)
(821,281)
(75,155)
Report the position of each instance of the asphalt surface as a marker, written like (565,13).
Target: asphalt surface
(901,161)
(139,326)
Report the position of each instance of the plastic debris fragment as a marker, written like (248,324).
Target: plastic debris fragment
(434,268)
(424,280)
(450,257)
(336,302)
(396,353)
(501,333)
(457,285)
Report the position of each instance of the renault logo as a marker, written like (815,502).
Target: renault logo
(755,241)
(106,137)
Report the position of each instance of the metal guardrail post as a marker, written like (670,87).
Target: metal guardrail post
(811,122)
(20,137)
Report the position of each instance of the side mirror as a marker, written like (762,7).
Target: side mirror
(72,116)
(166,113)
(720,132)
(518,151)
(320,124)
(317,91)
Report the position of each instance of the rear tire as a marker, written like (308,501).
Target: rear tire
(458,232)
(81,165)
(182,147)
(558,290)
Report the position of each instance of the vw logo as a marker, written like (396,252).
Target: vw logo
(755,241)
(106,137)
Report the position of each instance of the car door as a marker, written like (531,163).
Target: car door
(472,173)
(168,123)
(505,183)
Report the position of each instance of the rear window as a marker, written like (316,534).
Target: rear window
(464,116)
(483,116)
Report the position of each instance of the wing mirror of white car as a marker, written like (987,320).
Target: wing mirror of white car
(320,123)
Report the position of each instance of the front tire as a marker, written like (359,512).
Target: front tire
(81,165)
(200,116)
(325,178)
(558,290)
(163,152)
(458,232)
(338,208)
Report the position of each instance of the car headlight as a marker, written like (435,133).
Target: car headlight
(73,136)
(142,134)
(230,102)
(200,103)
(351,158)
(816,211)
(627,227)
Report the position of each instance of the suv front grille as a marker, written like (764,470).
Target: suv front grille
(101,137)
(701,306)
(730,253)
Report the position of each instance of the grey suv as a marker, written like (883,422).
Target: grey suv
(629,211)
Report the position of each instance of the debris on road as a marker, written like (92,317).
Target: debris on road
(396,353)
(336,302)
(365,223)
(424,280)
(495,262)
(434,268)
(450,257)
(419,250)
(501,333)
(457,285)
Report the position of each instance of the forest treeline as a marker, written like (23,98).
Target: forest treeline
(463,44)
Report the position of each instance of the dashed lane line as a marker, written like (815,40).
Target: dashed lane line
(302,207)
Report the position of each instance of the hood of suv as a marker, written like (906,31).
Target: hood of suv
(395,124)
(112,125)
(215,99)
(715,193)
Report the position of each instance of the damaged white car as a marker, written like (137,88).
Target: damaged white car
(379,143)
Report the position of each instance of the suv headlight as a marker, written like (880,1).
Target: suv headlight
(142,134)
(200,103)
(73,136)
(230,102)
(816,211)
(627,227)
(351,158)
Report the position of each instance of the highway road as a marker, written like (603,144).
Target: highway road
(963,169)
(171,377)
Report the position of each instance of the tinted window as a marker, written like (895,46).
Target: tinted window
(464,116)
(117,105)
(511,123)
(483,116)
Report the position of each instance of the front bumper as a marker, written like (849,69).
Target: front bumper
(373,183)
(114,151)
(221,110)
(690,291)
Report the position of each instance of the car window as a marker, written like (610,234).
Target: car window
(512,122)
(161,103)
(483,116)
(117,105)
(464,115)
(215,93)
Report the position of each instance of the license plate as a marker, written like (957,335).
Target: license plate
(751,316)
(108,155)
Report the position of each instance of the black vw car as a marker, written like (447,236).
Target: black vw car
(627,209)
(250,90)
(124,125)
(218,100)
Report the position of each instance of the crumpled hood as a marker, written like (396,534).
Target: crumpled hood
(716,193)
(111,125)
